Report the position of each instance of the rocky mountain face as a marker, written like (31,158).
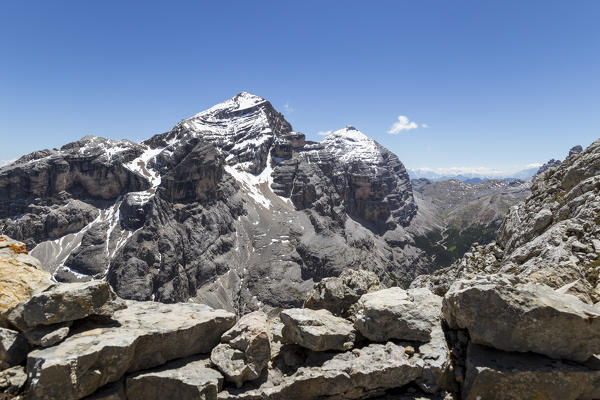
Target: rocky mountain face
(230,208)
(493,336)
(552,238)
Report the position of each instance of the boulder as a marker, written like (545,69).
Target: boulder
(112,391)
(317,330)
(396,313)
(493,374)
(20,276)
(186,379)
(339,294)
(357,374)
(13,348)
(245,349)
(49,335)
(65,302)
(144,335)
(436,363)
(12,380)
(510,316)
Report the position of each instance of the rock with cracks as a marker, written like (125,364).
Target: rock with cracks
(145,335)
(245,350)
(523,317)
(186,379)
(396,313)
(317,330)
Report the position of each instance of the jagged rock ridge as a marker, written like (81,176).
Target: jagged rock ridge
(231,208)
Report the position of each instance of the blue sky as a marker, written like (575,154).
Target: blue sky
(499,84)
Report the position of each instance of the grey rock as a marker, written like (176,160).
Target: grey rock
(245,350)
(66,302)
(575,150)
(510,316)
(357,374)
(13,348)
(112,391)
(493,374)
(339,294)
(146,335)
(186,379)
(12,380)
(436,375)
(47,335)
(317,330)
(396,313)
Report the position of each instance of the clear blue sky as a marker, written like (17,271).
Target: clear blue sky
(499,84)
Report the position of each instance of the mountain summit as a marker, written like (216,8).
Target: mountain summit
(231,207)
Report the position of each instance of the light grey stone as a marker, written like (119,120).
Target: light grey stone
(245,350)
(186,379)
(12,380)
(523,317)
(396,313)
(317,330)
(65,302)
(149,334)
(497,375)
(47,335)
(339,294)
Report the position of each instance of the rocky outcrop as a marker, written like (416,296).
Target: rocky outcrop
(499,312)
(492,374)
(395,313)
(317,330)
(65,303)
(147,335)
(245,350)
(340,294)
(547,239)
(12,381)
(186,379)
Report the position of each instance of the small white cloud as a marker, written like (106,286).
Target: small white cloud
(288,109)
(403,124)
(424,126)
(324,133)
(534,165)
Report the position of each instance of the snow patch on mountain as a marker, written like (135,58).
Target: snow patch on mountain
(349,144)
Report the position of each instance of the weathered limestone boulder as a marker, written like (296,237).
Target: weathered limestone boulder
(48,335)
(12,380)
(317,330)
(145,335)
(339,294)
(13,348)
(65,302)
(436,363)
(493,374)
(357,374)
(20,276)
(396,313)
(245,349)
(523,317)
(187,379)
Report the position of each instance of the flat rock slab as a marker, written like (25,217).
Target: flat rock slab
(396,313)
(149,335)
(355,374)
(523,317)
(495,375)
(187,379)
(317,330)
(64,303)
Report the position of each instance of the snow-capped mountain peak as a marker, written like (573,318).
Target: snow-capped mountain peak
(350,144)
